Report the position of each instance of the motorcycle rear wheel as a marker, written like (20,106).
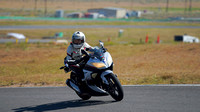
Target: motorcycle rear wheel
(115,88)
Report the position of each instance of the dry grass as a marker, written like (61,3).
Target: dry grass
(135,62)
(28,7)
(71,22)
(158,64)
(84,5)
(38,65)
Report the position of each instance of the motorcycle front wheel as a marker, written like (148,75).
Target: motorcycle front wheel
(114,88)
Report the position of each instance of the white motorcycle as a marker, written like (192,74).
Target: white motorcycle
(98,65)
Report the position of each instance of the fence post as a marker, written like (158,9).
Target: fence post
(120,32)
(17,41)
(26,40)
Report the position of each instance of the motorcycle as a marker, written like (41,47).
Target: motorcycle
(97,63)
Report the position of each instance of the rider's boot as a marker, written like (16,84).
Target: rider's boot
(72,85)
(78,90)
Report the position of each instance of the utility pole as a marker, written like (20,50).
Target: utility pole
(35,8)
(167,6)
(185,6)
(190,7)
(45,10)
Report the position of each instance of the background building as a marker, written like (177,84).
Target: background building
(110,12)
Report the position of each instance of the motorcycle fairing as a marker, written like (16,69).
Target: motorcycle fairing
(96,91)
(108,59)
(103,76)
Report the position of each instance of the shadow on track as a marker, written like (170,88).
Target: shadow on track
(61,105)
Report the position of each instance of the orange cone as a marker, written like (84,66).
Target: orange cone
(147,38)
(158,39)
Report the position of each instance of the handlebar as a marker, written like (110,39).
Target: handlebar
(62,67)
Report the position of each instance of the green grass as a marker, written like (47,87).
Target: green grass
(93,22)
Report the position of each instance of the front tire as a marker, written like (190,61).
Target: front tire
(115,88)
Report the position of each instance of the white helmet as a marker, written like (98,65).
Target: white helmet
(78,35)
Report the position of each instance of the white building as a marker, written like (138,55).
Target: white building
(110,12)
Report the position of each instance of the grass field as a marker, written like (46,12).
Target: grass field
(93,22)
(38,64)
(136,62)
(139,63)
(41,8)
(87,4)
(130,35)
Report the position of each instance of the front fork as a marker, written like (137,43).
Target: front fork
(104,80)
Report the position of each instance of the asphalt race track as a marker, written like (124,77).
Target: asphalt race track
(159,98)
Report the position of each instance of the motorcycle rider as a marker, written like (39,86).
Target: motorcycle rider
(74,50)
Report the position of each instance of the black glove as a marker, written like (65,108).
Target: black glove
(87,49)
(66,69)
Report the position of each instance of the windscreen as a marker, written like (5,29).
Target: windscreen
(97,52)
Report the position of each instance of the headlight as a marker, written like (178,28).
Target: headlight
(99,65)
(94,75)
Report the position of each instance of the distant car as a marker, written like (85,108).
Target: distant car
(16,35)
(186,38)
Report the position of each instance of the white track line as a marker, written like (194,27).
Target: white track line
(163,85)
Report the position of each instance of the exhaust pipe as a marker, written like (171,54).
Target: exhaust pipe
(70,83)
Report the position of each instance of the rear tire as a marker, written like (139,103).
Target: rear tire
(115,88)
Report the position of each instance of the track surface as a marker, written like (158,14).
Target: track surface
(136,99)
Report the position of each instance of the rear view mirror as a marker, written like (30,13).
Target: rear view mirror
(101,44)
